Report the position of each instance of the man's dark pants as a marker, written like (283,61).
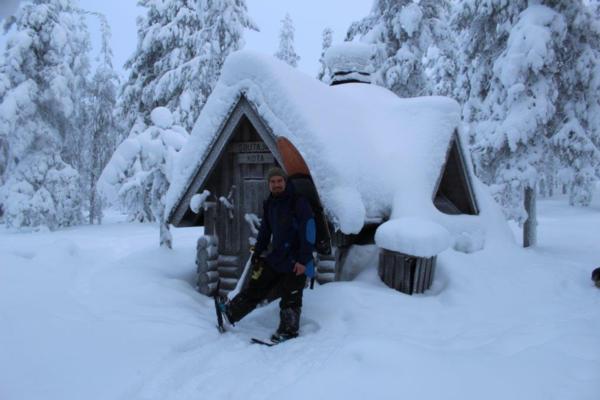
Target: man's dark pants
(266,283)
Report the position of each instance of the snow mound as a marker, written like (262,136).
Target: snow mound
(413,236)
(350,57)
(198,201)
(410,18)
(162,117)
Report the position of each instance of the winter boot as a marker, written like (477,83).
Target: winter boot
(289,324)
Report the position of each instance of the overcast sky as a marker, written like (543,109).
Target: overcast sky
(310,18)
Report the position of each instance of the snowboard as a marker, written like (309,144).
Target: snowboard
(299,174)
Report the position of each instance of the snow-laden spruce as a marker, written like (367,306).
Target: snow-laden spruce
(182,45)
(42,78)
(286,51)
(372,155)
(327,39)
(531,89)
(416,49)
(100,128)
(138,174)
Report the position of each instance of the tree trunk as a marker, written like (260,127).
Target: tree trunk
(530,226)
(166,239)
(92,210)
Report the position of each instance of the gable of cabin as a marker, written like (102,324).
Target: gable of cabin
(454,194)
(242,151)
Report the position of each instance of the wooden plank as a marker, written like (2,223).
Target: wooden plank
(325,277)
(397,270)
(425,265)
(212,265)
(428,274)
(229,272)
(397,266)
(228,284)
(249,147)
(208,277)
(228,261)
(418,283)
(432,269)
(254,158)
(408,280)
(326,265)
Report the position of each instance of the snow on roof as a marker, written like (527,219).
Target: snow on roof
(371,153)
(350,56)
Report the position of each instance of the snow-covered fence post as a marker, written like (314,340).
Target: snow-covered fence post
(530,226)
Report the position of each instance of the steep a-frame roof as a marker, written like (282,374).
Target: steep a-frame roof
(371,153)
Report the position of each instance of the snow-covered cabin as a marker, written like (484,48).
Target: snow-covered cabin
(388,171)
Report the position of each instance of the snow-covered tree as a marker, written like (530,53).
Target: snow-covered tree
(138,173)
(483,28)
(530,87)
(511,136)
(42,72)
(100,125)
(324,73)
(168,37)
(286,51)
(416,50)
(576,138)
(182,45)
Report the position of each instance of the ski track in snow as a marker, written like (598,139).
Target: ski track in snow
(103,313)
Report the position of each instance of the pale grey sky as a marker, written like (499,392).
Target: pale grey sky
(310,18)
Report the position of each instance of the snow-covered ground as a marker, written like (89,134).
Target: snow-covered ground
(102,313)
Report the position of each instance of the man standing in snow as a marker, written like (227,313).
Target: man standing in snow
(288,224)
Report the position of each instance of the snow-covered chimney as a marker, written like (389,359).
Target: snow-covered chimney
(350,62)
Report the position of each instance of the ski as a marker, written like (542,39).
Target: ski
(263,342)
(269,342)
(220,325)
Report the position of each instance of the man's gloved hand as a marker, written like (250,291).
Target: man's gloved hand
(254,258)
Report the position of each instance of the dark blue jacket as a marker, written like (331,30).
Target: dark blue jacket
(290,220)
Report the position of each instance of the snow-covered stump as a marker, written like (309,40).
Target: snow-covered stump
(409,249)
(207,254)
(405,273)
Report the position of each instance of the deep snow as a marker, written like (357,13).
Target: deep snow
(102,313)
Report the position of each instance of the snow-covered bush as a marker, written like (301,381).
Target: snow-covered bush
(138,174)
(42,191)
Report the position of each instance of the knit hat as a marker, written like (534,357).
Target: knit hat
(276,171)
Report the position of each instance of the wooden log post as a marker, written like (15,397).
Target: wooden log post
(207,254)
(530,226)
(326,267)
